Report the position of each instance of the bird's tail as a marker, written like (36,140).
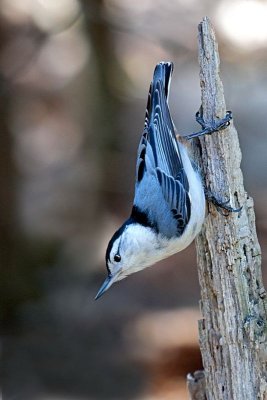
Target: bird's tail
(163,73)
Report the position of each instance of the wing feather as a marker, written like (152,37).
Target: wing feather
(159,153)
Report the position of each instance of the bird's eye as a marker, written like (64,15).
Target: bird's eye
(117,258)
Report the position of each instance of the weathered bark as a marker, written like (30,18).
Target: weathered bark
(233,299)
(196,385)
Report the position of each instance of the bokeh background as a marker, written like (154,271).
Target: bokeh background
(74,77)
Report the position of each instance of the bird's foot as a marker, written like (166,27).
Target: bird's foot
(214,126)
(221,206)
(210,127)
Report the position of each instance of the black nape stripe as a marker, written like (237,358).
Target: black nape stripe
(142,218)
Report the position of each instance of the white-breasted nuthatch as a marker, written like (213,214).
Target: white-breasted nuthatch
(169,203)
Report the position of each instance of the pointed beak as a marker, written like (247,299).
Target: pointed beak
(106,285)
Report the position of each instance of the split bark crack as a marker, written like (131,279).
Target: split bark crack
(232,333)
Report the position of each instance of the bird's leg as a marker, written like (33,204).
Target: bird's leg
(209,127)
(221,206)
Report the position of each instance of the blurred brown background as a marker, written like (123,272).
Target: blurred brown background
(74,78)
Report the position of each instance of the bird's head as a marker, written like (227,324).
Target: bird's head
(132,248)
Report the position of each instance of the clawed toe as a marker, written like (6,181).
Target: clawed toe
(214,126)
(226,210)
(223,123)
(209,127)
(199,118)
(221,206)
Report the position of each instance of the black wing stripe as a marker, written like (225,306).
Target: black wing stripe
(176,196)
(148,107)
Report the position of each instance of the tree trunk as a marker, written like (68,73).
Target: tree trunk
(233,300)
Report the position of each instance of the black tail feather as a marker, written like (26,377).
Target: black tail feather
(163,73)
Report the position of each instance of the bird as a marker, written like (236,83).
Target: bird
(169,202)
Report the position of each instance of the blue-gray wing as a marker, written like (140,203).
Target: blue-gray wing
(177,198)
(159,153)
